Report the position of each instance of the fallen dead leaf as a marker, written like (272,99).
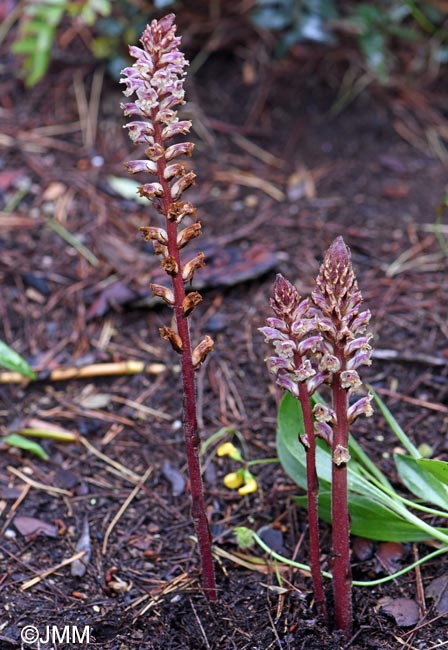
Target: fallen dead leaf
(438,590)
(363,548)
(30,526)
(404,610)
(389,556)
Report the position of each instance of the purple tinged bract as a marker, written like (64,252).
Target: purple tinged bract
(318,337)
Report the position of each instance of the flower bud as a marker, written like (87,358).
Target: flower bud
(188,233)
(169,265)
(178,210)
(289,384)
(201,351)
(183,183)
(341,455)
(190,302)
(276,364)
(177,128)
(304,371)
(155,151)
(165,293)
(197,262)
(317,380)
(153,232)
(329,363)
(179,149)
(324,413)
(150,190)
(170,335)
(361,407)
(350,379)
(136,166)
(176,169)
(323,430)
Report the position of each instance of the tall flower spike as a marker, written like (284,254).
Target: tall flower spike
(336,305)
(156,79)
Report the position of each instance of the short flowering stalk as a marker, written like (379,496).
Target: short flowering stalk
(292,368)
(156,78)
(323,340)
(337,301)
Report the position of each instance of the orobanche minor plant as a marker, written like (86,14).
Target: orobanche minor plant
(320,340)
(156,78)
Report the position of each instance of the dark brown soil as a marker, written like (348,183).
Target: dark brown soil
(314,176)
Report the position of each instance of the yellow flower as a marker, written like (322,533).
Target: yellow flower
(249,486)
(229,449)
(234,480)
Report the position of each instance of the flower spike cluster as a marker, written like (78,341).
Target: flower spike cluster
(337,301)
(156,79)
(317,337)
(317,340)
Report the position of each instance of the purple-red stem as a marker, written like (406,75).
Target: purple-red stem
(192,439)
(342,578)
(312,482)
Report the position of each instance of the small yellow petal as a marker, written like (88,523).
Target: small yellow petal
(249,487)
(229,449)
(233,480)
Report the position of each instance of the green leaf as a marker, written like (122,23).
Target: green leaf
(421,482)
(438,468)
(373,46)
(12,361)
(371,519)
(14,440)
(244,537)
(37,33)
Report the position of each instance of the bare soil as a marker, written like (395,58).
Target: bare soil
(312,176)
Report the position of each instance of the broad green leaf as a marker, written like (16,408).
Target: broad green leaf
(421,482)
(14,440)
(127,188)
(371,519)
(438,468)
(12,361)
